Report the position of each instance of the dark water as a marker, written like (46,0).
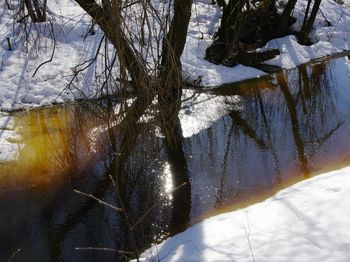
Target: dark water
(281,129)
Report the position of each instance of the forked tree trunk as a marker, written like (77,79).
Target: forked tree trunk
(170,88)
(173,44)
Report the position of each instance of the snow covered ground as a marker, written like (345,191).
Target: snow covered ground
(18,89)
(308,221)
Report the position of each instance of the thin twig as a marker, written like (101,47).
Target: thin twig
(52,54)
(77,69)
(13,255)
(98,200)
(126,217)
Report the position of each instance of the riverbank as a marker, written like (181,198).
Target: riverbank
(308,221)
(19,89)
(290,125)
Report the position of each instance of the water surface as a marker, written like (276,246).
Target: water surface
(263,135)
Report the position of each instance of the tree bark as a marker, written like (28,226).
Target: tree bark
(285,17)
(36,12)
(9,6)
(170,83)
(307,26)
(241,29)
(112,28)
(169,93)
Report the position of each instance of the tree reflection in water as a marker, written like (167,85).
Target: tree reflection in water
(283,129)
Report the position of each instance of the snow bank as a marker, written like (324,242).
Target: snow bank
(308,221)
(328,39)
(203,25)
(20,90)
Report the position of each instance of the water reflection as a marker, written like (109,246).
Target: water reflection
(48,221)
(282,129)
(284,132)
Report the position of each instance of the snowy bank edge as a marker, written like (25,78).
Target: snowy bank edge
(313,192)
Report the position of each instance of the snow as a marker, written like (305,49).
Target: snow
(308,221)
(328,39)
(19,89)
(203,25)
(8,150)
(200,110)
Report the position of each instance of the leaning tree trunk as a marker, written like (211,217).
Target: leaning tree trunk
(111,26)
(9,6)
(169,85)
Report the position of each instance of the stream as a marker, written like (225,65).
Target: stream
(241,144)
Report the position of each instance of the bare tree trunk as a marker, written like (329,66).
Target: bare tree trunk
(308,23)
(30,10)
(226,34)
(9,6)
(167,82)
(112,28)
(285,17)
(44,10)
(242,28)
(169,93)
(169,87)
(36,12)
(306,13)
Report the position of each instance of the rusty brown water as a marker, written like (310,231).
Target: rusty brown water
(282,129)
